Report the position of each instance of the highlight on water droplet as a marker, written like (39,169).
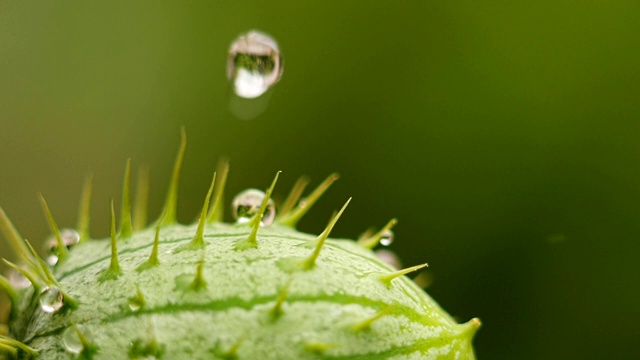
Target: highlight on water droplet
(254,64)
(247,204)
(386,238)
(51,300)
(71,340)
(69,237)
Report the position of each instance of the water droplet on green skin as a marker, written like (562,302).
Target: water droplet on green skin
(386,238)
(51,300)
(71,340)
(254,64)
(247,204)
(69,237)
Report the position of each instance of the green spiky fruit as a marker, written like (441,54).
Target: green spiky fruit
(221,291)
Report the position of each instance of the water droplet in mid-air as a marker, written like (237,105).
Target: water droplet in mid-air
(389,257)
(71,340)
(254,64)
(69,237)
(386,238)
(51,300)
(247,204)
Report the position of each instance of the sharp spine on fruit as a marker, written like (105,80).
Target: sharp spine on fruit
(276,310)
(138,300)
(11,294)
(387,278)
(34,279)
(84,214)
(310,262)
(294,196)
(113,271)
(198,240)
(171,202)
(141,199)
(63,252)
(7,342)
(232,352)
(13,236)
(366,324)
(252,241)
(153,258)
(216,212)
(374,240)
(305,204)
(47,276)
(198,282)
(126,229)
(88,349)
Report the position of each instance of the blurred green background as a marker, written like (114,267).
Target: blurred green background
(503,136)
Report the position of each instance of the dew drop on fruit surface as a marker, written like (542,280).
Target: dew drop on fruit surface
(69,239)
(247,204)
(51,300)
(389,257)
(254,64)
(386,238)
(71,340)
(17,280)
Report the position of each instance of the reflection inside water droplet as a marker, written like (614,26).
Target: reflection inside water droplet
(51,300)
(247,204)
(71,340)
(389,257)
(254,64)
(69,237)
(386,238)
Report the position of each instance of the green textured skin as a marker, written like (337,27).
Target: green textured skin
(322,307)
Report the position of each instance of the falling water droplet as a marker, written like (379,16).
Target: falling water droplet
(254,64)
(71,340)
(389,257)
(51,300)
(69,237)
(17,280)
(247,204)
(386,238)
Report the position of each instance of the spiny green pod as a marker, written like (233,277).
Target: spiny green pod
(256,289)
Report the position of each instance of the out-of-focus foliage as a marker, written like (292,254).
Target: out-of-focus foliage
(504,136)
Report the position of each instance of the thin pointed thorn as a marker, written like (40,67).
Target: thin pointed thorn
(8,349)
(142,199)
(47,276)
(310,262)
(276,310)
(5,340)
(88,349)
(171,202)
(216,212)
(305,204)
(366,324)
(11,294)
(374,240)
(126,229)
(138,301)
(84,214)
(232,353)
(198,282)
(387,278)
(198,240)
(113,271)
(63,252)
(294,196)
(33,278)
(252,240)
(153,258)
(15,240)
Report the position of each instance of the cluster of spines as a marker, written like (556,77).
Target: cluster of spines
(293,209)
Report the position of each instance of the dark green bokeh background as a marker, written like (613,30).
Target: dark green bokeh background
(503,135)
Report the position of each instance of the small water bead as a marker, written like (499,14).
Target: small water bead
(387,238)
(69,237)
(254,64)
(389,257)
(51,300)
(17,280)
(71,340)
(247,204)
